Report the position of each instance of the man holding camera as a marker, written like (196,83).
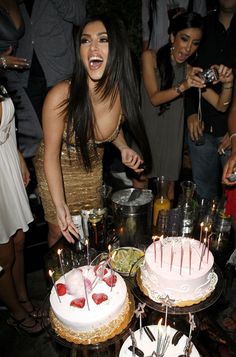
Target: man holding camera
(208,138)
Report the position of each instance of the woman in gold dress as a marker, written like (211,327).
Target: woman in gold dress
(79,116)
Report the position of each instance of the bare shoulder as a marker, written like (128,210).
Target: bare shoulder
(58,94)
(148,55)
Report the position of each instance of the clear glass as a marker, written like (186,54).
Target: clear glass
(161,202)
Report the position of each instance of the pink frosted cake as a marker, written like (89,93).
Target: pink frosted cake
(91,305)
(180,268)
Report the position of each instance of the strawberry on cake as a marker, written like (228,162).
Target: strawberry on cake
(90,304)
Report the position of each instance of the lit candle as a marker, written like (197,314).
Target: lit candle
(87,250)
(206,232)
(172,254)
(208,246)
(59,251)
(154,248)
(200,238)
(190,256)
(161,249)
(202,252)
(109,250)
(50,273)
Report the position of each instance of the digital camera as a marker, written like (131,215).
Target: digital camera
(209,75)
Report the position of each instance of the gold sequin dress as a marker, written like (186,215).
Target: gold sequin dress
(80,186)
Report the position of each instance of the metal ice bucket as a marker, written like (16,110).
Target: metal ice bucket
(133,216)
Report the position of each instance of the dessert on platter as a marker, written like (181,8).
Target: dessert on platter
(90,304)
(180,268)
(124,260)
(147,346)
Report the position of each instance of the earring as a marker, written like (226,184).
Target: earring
(172,48)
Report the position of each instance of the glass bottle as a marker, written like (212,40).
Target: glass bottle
(161,202)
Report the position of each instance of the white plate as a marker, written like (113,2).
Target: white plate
(147,346)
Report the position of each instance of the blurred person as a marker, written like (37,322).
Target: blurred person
(15,215)
(79,116)
(48,46)
(218,46)
(166,78)
(155,19)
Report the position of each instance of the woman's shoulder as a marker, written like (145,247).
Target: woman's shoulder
(59,92)
(149,57)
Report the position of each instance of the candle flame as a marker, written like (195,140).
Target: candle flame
(50,273)
(86,241)
(201,224)
(59,251)
(159,322)
(206,229)
(109,248)
(205,240)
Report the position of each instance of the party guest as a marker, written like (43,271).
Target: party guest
(81,114)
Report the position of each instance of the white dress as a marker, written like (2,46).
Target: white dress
(15,211)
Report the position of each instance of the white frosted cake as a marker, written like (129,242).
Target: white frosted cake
(180,268)
(147,346)
(91,305)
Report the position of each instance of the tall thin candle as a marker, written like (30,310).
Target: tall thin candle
(190,256)
(202,252)
(154,238)
(161,249)
(50,272)
(172,255)
(59,252)
(181,255)
(87,251)
(200,238)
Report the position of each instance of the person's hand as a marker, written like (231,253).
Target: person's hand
(193,79)
(195,127)
(11,62)
(225,74)
(229,169)
(66,224)
(131,159)
(224,144)
(24,170)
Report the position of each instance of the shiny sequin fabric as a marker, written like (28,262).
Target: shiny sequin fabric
(81,186)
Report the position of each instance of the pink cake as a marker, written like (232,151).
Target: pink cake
(172,268)
(92,314)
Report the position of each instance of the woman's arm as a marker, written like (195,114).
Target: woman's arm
(157,96)
(230,166)
(221,101)
(24,169)
(53,128)
(129,157)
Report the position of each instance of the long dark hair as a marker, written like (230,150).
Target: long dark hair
(183,21)
(118,78)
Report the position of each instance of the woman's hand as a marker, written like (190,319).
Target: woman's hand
(131,159)
(225,74)
(224,144)
(229,169)
(12,62)
(66,224)
(195,127)
(24,170)
(193,79)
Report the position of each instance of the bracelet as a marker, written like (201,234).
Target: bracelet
(3,62)
(225,87)
(177,88)
(231,137)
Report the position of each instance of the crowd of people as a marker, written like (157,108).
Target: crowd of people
(75,91)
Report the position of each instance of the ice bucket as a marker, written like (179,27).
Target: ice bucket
(133,216)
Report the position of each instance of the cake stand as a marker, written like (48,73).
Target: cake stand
(86,350)
(176,310)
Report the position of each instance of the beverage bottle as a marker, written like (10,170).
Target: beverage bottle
(161,202)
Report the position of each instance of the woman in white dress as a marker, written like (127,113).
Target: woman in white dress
(15,215)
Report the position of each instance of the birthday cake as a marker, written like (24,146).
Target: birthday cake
(178,268)
(90,305)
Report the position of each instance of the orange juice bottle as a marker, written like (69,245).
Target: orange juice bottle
(161,202)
